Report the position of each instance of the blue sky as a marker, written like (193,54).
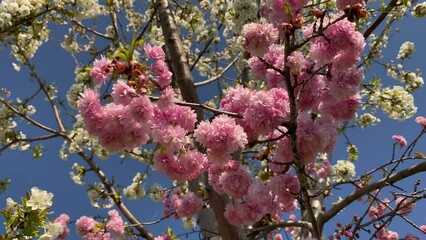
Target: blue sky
(51,174)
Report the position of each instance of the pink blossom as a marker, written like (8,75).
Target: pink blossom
(222,136)
(410,236)
(259,194)
(343,85)
(122,93)
(154,52)
(166,98)
(341,109)
(404,205)
(341,47)
(325,169)
(63,219)
(385,234)
(258,68)
(258,37)
(378,210)
(238,214)
(187,205)
(296,60)
(400,140)
(170,137)
(282,157)
(275,12)
(422,121)
(423,228)
(342,4)
(188,166)
(315,136)
(175,115)
(85,225)
(89,103)
(266,110)
(101,70)
(236,183)
(162,72)
(115,224)
(141,109)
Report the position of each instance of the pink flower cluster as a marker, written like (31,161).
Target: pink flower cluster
(265,198)
(342,4)
(186,166)
(231,180)
(90,229)
(221,137)
(183,205)
(421,121)
(376,211)
(128,121)
(258,37)
(101,70)
(63,219)
(385,234)
(262,111)
(117,126)
(171,124)
(313,137)
(275,10)
(159,67)
(400,140)
(340,46)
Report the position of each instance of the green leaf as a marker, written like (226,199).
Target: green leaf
(132,48)
(419,155)
(287,9)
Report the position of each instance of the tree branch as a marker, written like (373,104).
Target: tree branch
(421,167)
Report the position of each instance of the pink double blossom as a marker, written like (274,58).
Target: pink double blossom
(258,37)
(221,137)
(101,70)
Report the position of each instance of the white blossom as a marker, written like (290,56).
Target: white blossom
(419,11)
(343,170)
(40,199)
(406,49)
(189,223)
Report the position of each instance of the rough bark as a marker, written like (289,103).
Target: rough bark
(184,79)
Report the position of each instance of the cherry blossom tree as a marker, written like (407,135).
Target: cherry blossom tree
(251,158)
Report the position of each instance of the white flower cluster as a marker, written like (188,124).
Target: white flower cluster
(39,199)
(77,174)
(191,18)
(395,102)
(70,43)
(136,20)
(244,11)
(8,133)
(406,49)
(28,42)
(343,170)
(352,151)
(156,192)
(11,10)
(377,44)
(419,11)
(367,119)
(53,231)
(398,12)
(189,223)
(135,190)
(413,80)
(98,197)
(88,9)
